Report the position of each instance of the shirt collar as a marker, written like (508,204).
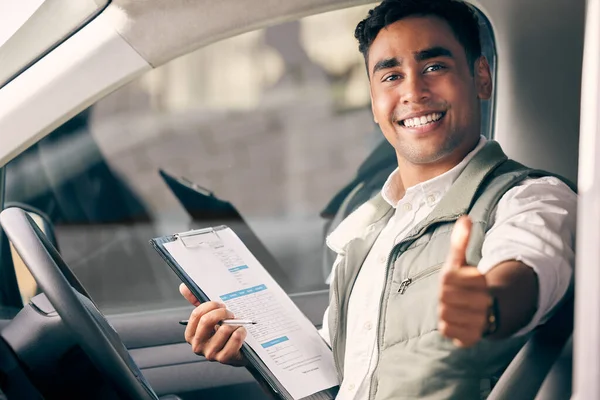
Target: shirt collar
(440,184)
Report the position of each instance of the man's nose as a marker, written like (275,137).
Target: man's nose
(414,90)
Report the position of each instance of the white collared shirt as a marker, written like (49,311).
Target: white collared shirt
(534,223)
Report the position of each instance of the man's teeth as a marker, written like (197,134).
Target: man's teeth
(419,121)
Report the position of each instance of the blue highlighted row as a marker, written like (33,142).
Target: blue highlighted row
(235,269)
(275,341)
(243,292)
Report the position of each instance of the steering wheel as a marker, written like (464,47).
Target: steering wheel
(89,327)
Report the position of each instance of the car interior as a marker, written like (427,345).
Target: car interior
(123,121)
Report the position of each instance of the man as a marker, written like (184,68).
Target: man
(439,279)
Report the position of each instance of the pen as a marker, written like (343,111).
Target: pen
(228,322)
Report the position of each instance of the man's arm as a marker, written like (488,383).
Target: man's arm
(515,287)
(467,297)
(526,266)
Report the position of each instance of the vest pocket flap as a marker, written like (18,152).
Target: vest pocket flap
(401,286)
(411,310)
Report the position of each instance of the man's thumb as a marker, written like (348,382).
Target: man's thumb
(189,296)
(457,257)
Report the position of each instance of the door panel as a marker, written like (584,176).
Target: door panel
(204,380)
(156,342)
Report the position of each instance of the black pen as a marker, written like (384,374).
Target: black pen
(228,322)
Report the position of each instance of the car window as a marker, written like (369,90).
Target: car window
(276,122)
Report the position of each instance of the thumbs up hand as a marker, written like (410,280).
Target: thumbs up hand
(465,300)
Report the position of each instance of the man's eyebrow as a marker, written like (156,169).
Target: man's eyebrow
(422,55)
(432,52)
(386,63)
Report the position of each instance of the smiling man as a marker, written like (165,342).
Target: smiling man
(440,278)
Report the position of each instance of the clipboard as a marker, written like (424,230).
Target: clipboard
(189,239)
(211,237)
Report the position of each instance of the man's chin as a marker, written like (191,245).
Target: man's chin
(431,150)
(426,159)
(420,156)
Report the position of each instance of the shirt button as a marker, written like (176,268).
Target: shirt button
(383,258)
(430,199)
(407,207)
(368,326)
(351,387)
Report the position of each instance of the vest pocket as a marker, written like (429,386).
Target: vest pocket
(411,309)
(403,286)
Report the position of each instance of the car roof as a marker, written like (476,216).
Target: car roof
(202,22)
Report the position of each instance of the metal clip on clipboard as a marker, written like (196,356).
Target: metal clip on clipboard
(195,238)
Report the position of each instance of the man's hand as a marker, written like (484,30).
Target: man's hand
(464,294)
(215,342)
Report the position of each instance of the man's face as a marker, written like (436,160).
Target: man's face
(424,96)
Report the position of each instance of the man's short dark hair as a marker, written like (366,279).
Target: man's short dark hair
(461,17)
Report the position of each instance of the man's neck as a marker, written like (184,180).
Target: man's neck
(410,174)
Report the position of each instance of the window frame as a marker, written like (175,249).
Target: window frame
(492,58)
(36,38)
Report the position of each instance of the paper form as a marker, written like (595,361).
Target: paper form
(283,337)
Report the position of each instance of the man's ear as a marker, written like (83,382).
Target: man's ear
(483,78)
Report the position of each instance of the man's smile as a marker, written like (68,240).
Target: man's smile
(423,121)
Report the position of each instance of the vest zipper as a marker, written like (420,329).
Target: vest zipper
(423,274)
(403,285)
(394,254)
(391,258)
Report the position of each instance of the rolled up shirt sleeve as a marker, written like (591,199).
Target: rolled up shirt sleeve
(535,223)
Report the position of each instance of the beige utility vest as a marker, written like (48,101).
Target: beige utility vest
(415,360)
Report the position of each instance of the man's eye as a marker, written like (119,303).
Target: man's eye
(434,67)
(391,78)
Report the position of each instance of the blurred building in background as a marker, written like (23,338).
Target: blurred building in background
(274,120)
